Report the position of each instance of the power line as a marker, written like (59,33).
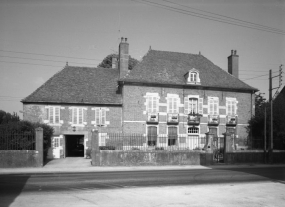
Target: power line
(235,19)
(43,60)
(29,53)
(187,12)
(255,77)
(30,64)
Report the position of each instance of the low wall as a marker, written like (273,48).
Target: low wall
(246,156)
(278,156)
(20,158)
(143,158)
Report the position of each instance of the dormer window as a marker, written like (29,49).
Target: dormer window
(193,76)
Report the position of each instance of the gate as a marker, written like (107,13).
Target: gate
(218,149)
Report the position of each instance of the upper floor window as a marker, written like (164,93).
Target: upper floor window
(172,104)
(193,76)
(231,106)
(152,103)
(100,116)
(213,104)
(193,105)
(52,114)
(77,115)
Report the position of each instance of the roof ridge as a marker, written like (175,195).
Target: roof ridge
(175,52)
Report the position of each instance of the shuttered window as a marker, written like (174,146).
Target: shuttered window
(100,116)
(52,114)
(172,135)
(193,105)
(78,115)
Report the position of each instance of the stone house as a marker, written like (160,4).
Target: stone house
(166,94)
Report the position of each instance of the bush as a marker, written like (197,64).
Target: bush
(159,148)
(27,126)
(106,148)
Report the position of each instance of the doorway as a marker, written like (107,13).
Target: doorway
(74,145)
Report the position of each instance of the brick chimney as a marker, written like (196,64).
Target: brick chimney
(233,63)
(123,57)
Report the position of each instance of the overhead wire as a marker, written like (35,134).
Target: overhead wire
(212,18)
(235,19)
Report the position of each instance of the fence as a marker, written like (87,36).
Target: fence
(278,144)
(113,141)
(17,141)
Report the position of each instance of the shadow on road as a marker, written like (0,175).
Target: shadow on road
(11,187)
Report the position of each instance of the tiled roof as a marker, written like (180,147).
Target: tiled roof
(170,67)
(79,85)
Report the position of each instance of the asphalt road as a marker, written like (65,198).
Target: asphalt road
(57,182)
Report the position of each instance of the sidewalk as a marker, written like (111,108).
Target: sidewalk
(74,164)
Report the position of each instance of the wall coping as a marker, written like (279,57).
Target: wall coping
(247,151)
(156,151)
(19,151)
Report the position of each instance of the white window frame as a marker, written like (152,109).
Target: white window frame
(100,116)
(53,115)
(76,121)
(152,102)
(173,103)
(193,76)
(230,102)
(213,102)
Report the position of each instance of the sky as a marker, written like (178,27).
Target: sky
(38,37)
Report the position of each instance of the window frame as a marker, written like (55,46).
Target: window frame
(233,103)
(172,104)
(100,116)
(52,115)
(212,102)
(152,103)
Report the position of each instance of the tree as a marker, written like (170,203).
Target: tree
(7,117)
(107,61)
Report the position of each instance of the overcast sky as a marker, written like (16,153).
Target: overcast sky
(38,37)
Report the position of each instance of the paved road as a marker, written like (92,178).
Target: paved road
(13,184)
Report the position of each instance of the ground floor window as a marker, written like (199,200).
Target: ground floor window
(151,135)
(172,136)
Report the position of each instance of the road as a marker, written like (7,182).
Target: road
(23,186)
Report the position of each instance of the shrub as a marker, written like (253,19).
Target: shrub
(159,148)
(27,126)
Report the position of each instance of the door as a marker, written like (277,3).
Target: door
(57,147)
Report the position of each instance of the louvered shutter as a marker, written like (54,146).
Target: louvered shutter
(172,132)
(57,115)
(200,111)
(170,106)
(186,105)
(80,115)
(70,116)
(74,116)
(97,116)
(46,115)
(216,107)
(234,107)
(103,116)
(51,115)
(175,105)
(85,116)
(148,104)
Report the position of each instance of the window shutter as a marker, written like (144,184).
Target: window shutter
(103,116)
(186,105)
(216,107)
(154,105)
(57,115)
(80,115)
(84,116)
(74,116)
(46,115)
(70,116)
(200,111)
(234,107)
(170,108)
(172,132)
(148,104)
(175,105)
(97,116)
(51,115)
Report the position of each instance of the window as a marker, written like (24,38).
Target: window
(172,135)
(213,104)
(193,77)
(77,115)
(152,104)
(151,135)
(56,142)
(100,116)
(52,114)
(172,104)
(193,105)
(231,106)
(193,130)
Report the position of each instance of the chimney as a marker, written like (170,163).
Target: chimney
(233,63)
(114,62)
(123,57)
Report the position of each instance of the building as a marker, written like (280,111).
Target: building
(166,94)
